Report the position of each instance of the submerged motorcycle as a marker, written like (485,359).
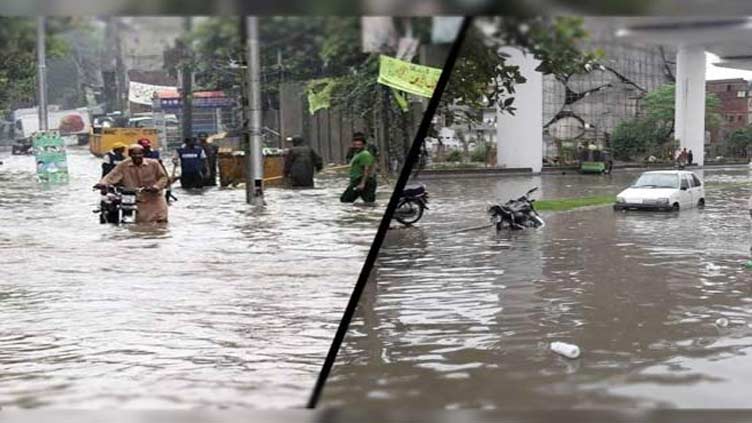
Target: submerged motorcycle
(412,203)
(117,205)
(516,214)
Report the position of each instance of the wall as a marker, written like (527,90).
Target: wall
(734,109)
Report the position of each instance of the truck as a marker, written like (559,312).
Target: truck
(74,126)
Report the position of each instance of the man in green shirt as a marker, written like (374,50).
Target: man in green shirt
(362,173)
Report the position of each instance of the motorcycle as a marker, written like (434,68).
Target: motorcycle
(118,205)
(516,214)
(412,203)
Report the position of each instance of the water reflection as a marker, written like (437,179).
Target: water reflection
(226,306)
(463,319)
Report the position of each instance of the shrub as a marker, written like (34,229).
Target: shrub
(454,156)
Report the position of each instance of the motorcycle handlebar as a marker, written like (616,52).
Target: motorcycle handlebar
(106,188)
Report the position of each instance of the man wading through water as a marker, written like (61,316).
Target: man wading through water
(193,164)
(301,162)
(362,173)
(149,176)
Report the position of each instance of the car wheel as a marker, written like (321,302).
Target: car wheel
(675,207)
(701,203)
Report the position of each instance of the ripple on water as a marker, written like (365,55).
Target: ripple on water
(450,320)
(224,307)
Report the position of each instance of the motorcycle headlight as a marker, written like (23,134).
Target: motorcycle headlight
(662,201)
(620,200)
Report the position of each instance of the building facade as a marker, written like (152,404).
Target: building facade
(734,108)
(586,108)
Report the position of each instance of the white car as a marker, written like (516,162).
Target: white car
(668,190)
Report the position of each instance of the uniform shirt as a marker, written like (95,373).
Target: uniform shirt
(191,158)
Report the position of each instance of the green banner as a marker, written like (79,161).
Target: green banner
(49,151)
(401,100)
(408,77)
(319,94)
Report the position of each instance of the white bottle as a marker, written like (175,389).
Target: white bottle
(567,350)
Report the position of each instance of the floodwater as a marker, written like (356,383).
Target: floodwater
(226,307)
(659,304)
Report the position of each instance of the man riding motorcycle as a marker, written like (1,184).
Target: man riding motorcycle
(148,177)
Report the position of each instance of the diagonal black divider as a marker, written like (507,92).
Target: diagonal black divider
(410,160)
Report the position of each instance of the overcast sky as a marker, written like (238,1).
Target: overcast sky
(714,72)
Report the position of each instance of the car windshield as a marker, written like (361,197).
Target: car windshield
(657,180)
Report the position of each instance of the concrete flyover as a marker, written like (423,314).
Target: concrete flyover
(519,138)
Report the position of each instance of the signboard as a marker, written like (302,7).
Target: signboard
(408,77)
(198,102)
(49,152)
(141,93)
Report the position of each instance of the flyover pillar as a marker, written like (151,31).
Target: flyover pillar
(519,138)
(689,116)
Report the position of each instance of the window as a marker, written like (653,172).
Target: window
(728,87)
(684,183)
(696,180)
(739,118)
(741,94)
(658,180)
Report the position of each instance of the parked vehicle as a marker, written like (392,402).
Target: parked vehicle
(666,190)
(595,161)
(411,205)
(103,139)
(73,124)
(516,214)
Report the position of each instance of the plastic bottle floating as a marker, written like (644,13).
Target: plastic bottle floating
(570,351)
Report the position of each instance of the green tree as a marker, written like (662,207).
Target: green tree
(310,48)
(659,106)
(483,78)
(18,69)
(652,131)
(739,142)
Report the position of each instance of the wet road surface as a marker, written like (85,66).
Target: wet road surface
(225,307)
(463,320)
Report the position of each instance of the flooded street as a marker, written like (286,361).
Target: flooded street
(463,320)
(225,307)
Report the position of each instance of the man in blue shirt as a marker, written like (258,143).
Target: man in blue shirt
(193,164)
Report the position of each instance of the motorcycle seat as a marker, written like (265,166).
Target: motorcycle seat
(414,190)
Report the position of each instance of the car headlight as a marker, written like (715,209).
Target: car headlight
(662,201)
(620,200)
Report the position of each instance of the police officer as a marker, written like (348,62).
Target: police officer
(193,164)
(112,158)
(149,153)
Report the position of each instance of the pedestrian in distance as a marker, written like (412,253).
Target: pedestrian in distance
(301,163)
(211,151)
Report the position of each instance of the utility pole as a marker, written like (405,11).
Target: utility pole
(186,85)
(120,71)
(254,187)
(280,115)
(42,65)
